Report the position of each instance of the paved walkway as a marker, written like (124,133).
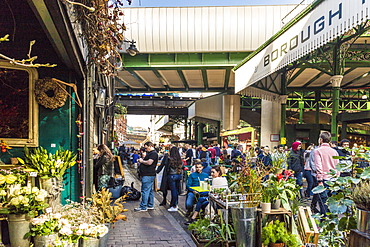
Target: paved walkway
(153,228)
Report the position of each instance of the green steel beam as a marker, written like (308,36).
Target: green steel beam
(295,75)
(140,80)
(157,74)
(313,79)
(183,79)
(205,79)
(354,80)
(122,82)
(183,59)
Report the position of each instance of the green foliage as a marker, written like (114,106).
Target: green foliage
(361,195)
(336,224)
(44,225)
(48,165)
(275,232)
(202,228)
(222,231)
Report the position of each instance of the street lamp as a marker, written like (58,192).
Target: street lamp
(132,50)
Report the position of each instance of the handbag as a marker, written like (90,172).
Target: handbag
(115,182)
(131,193)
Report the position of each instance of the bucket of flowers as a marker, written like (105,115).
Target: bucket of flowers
(44,229)
(21,203)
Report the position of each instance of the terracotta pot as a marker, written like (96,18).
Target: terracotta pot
(276,244)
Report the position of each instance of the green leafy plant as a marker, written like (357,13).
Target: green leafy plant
(361,195)
(202,228)
(336,224)
(24,200)
(48,165)
(275,232)
(248,182)
(44,225)
(223,232)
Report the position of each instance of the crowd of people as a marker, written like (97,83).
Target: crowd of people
(203,164)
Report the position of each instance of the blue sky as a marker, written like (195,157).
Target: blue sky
(183,3)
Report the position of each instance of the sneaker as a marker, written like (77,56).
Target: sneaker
(152,208)
(139,209)
(191,220)
(172,209)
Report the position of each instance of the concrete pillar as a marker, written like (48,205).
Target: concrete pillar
(270,122)
(230,111)
(335,80)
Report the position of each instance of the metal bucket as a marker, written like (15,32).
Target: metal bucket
(244,220)
(363,221)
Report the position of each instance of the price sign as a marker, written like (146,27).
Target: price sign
(242,198)
(33,174)
(48,210)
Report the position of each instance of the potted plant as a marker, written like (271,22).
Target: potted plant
(107,212)
(269,194)
(44,229)
(21,203)
(274,234)
(50,169)
(285,188)
(249,184)
(361,198)
(201,231)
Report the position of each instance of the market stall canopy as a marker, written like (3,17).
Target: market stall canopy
(302,44)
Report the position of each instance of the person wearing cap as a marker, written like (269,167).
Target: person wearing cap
(296,162)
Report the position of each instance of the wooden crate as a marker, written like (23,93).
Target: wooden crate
(359,239)
(307,227)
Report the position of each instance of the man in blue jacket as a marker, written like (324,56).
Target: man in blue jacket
(194,181)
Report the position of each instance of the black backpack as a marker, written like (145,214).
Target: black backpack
(132,193)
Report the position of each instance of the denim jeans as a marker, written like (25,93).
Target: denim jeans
(174,183)
(307,174)
(298,176)
(190,201)
(201,203)
(147,193)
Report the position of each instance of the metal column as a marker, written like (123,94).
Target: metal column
(336,81)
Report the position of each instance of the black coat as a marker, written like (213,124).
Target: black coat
(165,163)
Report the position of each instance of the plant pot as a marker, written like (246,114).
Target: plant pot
(19,225)
(266,207)
(90,242)
(203,242)
(244,220)
(363,221)
(44,241)
(276,204)
(276,244)
(103,241)
(54,187)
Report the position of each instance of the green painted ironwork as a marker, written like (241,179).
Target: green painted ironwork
(179,60)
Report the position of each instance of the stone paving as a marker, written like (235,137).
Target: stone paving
(155,227)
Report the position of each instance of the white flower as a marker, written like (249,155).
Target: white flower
(56,216)
(102,230)
(2,193)
(66,230)
(40,198)
(64,221)
(79,232)
(14,201)
(83,226)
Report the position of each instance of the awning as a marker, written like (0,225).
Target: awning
(318,24)
(237,132)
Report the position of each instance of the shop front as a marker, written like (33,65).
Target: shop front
(245,136)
